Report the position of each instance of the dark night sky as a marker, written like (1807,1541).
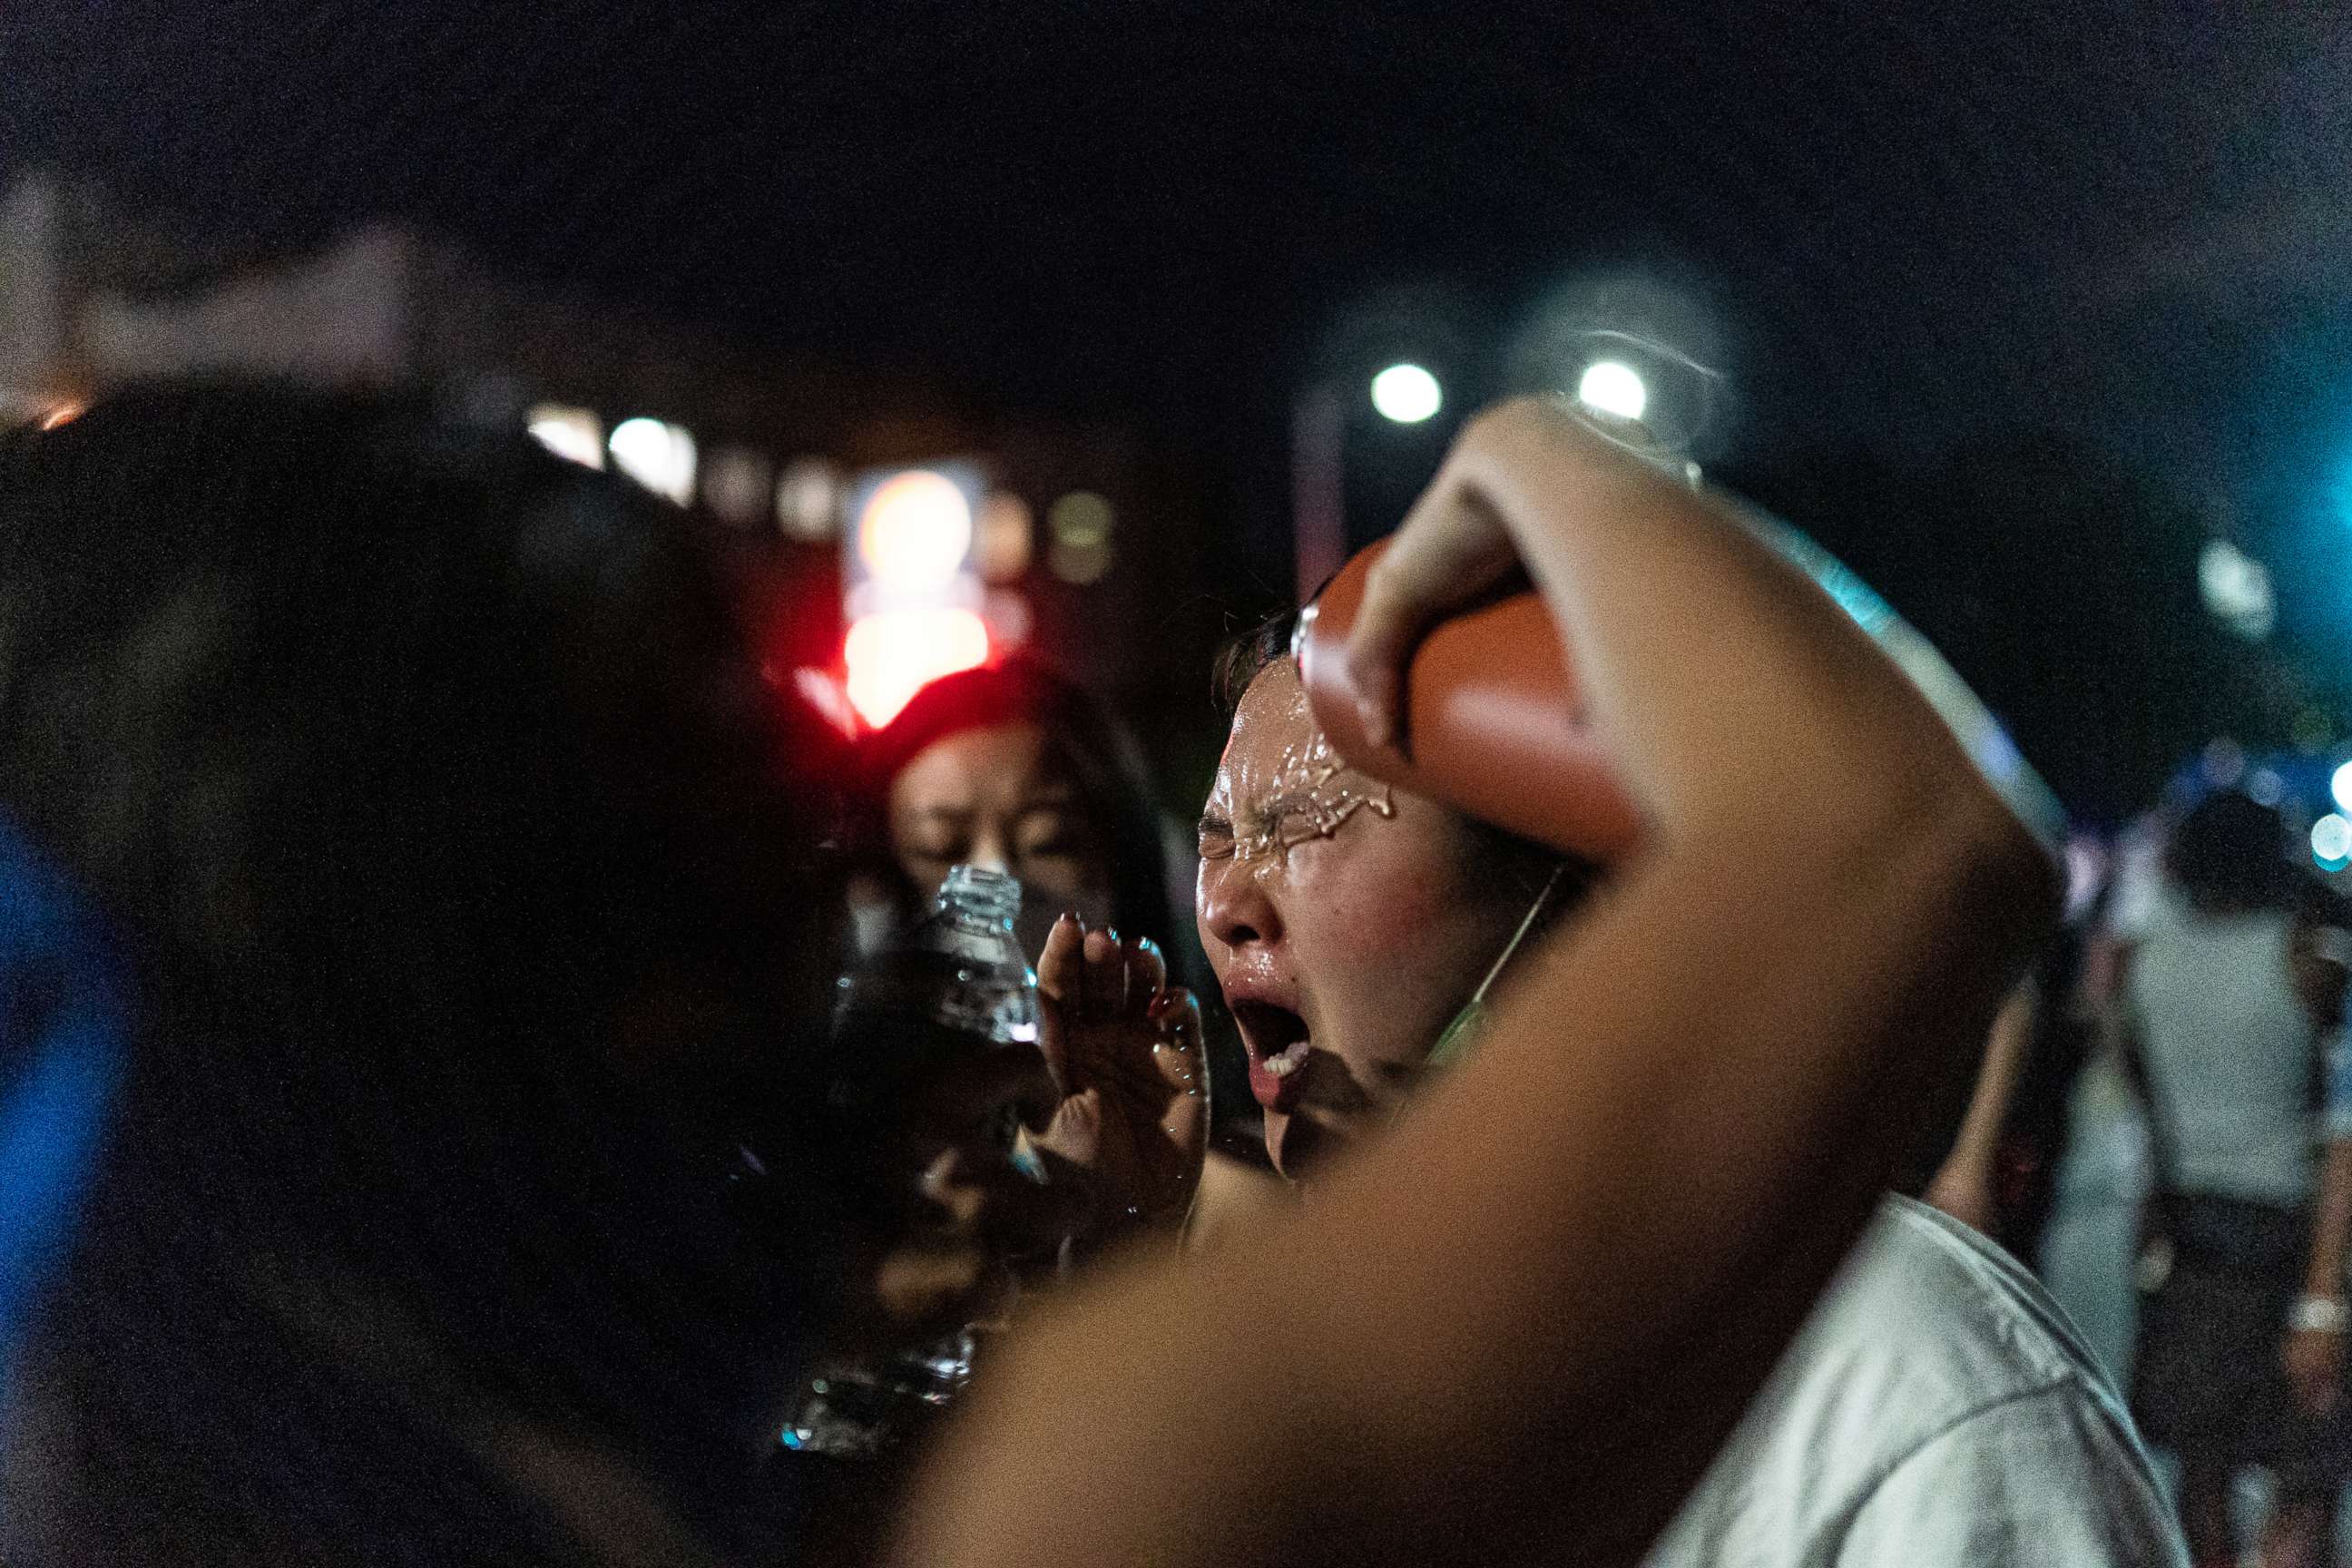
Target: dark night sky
(1898,224)
(1902,215)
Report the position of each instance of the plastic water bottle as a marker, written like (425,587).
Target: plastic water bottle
(960,969)
(952,989)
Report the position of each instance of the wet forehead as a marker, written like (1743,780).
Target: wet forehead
(1275,747)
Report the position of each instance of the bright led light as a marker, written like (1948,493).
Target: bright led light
(2331,842)
(575,435)
(657,456)
(2339,786)
(1406,393)
(915,531)
(1611,386)
(893,655)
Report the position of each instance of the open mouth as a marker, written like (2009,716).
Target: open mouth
(1278,1046)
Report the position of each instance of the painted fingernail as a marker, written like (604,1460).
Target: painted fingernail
(1025,1159)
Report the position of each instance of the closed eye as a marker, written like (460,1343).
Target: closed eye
(940,835)
(1052,830)
(1294,818)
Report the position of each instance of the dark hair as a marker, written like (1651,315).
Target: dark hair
(2229,850)
(1246,654)
(408,766)
(1104,761)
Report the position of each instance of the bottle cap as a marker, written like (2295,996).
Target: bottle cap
(993,896)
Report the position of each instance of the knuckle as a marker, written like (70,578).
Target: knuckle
(1512,421)
(1384,581)
(1527,410)
(1371,647)
(1494,421)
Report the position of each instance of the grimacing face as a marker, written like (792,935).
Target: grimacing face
(1347,922)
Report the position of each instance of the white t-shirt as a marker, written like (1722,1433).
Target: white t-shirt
(1936,1411)
(2229,1051)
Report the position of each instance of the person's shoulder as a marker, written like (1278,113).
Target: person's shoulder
(1926,1327)
(1993,1433)
(1928,1354)
(1927,1303)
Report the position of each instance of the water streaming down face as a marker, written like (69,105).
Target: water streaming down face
(1344,954)
(1308,794)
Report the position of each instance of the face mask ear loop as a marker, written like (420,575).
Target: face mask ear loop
(1461,1034)
(1527,924)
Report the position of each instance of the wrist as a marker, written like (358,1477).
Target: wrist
(2316,1313)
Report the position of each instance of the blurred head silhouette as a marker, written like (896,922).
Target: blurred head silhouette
(412,786)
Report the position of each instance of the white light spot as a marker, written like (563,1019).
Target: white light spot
(575,435)
(1407,393)
(2331,841)
(1612,386)
(2237,589)
(657,456)
(915,531)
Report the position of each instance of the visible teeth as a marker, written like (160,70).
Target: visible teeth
(1287,1060)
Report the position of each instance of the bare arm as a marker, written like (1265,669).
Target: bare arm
(2332,1223)
(1963,1187)
(2313,1350)
(1560,1276)
(2318,963)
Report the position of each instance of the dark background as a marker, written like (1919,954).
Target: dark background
(2018,304)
